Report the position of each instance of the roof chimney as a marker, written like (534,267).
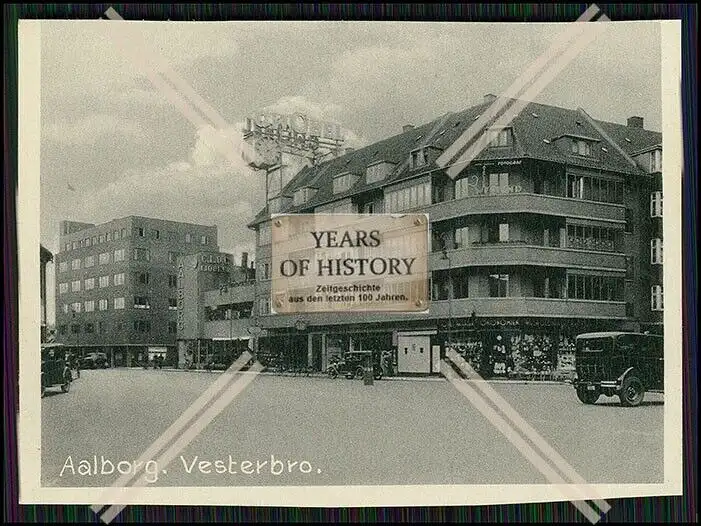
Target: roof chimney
(635,122)
(244,260)
(407,127)
(489,97)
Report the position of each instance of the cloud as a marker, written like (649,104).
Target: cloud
(90,128)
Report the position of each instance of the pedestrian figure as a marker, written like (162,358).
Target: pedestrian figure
(76,364)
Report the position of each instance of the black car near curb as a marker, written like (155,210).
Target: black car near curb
(623,364)
(94,360)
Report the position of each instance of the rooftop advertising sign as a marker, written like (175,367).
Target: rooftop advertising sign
(292,126)
(349,263)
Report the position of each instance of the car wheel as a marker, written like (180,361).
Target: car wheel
(333,373)
(586,396)
(632,392)
(360,373)
(66,387)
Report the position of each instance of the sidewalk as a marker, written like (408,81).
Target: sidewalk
(390,378)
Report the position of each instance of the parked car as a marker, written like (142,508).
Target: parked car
(54,369)
(352,365)
(94,360)
(623,364)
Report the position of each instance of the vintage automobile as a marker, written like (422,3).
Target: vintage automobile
(623,364)
(54,369)
(353,364)
(94,360)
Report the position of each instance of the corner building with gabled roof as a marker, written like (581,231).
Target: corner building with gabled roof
(552,230)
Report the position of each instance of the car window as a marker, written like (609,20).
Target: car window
(593,344)
(627,343)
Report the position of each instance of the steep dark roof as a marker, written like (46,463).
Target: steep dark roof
(533,126)
(45,254)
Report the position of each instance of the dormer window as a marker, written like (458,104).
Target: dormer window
(302,195)
(655,161)
(343,182)
(501,138)
(418,158)
(581,147)
(377,172)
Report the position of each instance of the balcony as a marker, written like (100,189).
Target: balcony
(526,203)
(505,254)
(484,307)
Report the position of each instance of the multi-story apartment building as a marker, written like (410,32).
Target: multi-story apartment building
(545,234)
(116,285)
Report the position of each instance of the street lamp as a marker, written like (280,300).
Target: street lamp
(446,257)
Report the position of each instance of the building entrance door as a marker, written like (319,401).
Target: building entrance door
(414,353)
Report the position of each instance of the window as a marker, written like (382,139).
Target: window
(656,204)
(498,285)
(76,307)
(264,306)
(142,278)
(118,303)
(462,237)
(501,138)
(141,302)
(89,306)
(108,237)
(75,264)
(74,245)
(67,247)
(173,304)
(62,288)
(86,242)
(656,161)
(101,238)
(118,279)
(140,232)
(598,288)
(119,255)
(75,286)
(656,251)
(124,233)
(115,235)
(142,326)
(343,182)
(656,298)
(89,261)
(418,158)
(580,147)
(89,283)
(66,308)
(62,329)
(101,327)
(411,197)
(188,238)
(173,257)
(265,268)
(377,172)
(102,304)
(142,254)
(575,186)
(172,280)
(63,266)
(503,232)
(302,195)
(156,234)
(104,281)
(204,240)
(172,327)
(104,258)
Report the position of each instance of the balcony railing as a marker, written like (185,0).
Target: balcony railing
(503,254)
(460,308)
(227,328)
(526,203)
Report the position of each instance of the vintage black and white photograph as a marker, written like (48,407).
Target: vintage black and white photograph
(529,352)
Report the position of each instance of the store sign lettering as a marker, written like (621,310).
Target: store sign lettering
(292,126)
(181,299)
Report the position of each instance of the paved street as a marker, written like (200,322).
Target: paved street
(341,432)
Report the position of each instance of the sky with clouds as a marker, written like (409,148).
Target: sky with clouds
(113,145)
